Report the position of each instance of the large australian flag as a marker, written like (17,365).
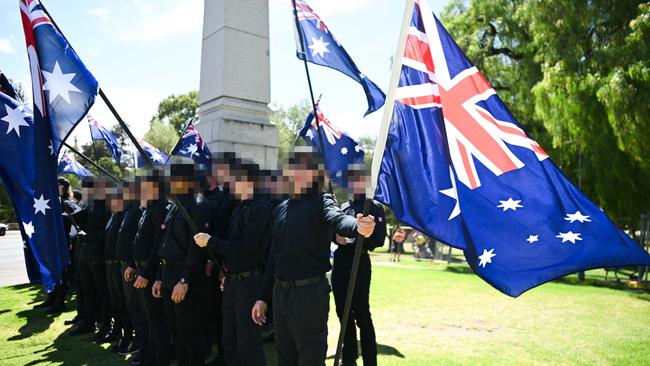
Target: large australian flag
(458,166)
(338,150)
(28,172)
(322,48)
(99,132)
(191,145)
(63,89)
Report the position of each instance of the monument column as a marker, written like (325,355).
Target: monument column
(235,80)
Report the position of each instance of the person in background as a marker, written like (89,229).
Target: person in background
(397,244)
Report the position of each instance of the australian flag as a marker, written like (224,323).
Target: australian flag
(322,48)
(339,150)
(69,165)
(191,145)
(458,166)
(63,89)
(99,132)
(156,156)
(28,172)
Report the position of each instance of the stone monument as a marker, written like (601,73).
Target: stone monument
(235,80)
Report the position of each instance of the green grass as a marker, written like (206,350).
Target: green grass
(422,317)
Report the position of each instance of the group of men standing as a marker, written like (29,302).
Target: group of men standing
(180,259)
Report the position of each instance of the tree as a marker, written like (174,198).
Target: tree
(176,110)
(289,121)
(162,135)
(576,74)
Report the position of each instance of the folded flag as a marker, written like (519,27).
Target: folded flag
(458,166)
(338,149)
(322,48)
(99,132)
(28,172)
(63,89)
(69,165)
(191,145)
(156,156)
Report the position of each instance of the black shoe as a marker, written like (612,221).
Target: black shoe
(80,329)
(138,356)
(45,304)
(116,345)
(56,309)
(73,321)
(127,348)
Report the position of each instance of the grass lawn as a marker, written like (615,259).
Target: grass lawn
(424,315)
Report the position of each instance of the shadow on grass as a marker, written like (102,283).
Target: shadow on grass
(383,349)
(36,321)
(76,350)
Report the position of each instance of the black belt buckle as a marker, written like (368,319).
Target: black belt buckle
(243,275)
(300,283)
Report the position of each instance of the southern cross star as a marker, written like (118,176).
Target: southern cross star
(532,238)
(510,204)
(578,216)
(40,205)
(318,47)
(569,236)
(486,257)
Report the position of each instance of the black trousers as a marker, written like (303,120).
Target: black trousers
(300,324)
(242,339)
(359,312)
(94,289)
(159,340)
(134,307)
(212,312)
(184,320)
(116,295)
(75,260)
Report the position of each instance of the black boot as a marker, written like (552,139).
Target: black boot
(49,301)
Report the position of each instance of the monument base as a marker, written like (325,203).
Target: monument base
(235,125)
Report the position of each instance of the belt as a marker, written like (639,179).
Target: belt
(167,263)
(243,275)
(111,261)
(300,283)
(140,263)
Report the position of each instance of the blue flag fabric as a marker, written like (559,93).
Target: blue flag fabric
(191,145)
(69,165)
(322,48)
(155,155)
(99,132)
(458,166)
(63,89)
(339,150)
(28,172)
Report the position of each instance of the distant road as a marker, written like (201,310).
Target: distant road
(12,262)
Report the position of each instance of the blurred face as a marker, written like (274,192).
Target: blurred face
(222,174)
(357,184)
(300,177)
(129,193)
(149,191)
(181,186)
(243,189)
(116,204)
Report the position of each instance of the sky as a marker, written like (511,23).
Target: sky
(141,51)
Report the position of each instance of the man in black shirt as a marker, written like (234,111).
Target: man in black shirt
(303,227)
(122,332)
(244,255)
(124,253)
(182,268)
(343,257)
(156,351)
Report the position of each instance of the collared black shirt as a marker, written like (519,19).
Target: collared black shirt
(111,232)
(178,245)
(249,237)
(156,222)
(126,235)
(378,236)
(302,232)
(94,226)
(149,234)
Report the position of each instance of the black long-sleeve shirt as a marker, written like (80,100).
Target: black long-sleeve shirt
(148,234)
(126,235)
(378,236)
(94,226)
(157,222)
(249,237)
(178,245)
(111,232)
(302,233)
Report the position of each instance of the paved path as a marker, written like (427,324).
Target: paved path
(12,262)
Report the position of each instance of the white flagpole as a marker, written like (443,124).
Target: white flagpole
(390,99)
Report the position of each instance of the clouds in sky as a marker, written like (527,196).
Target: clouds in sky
(6,46)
